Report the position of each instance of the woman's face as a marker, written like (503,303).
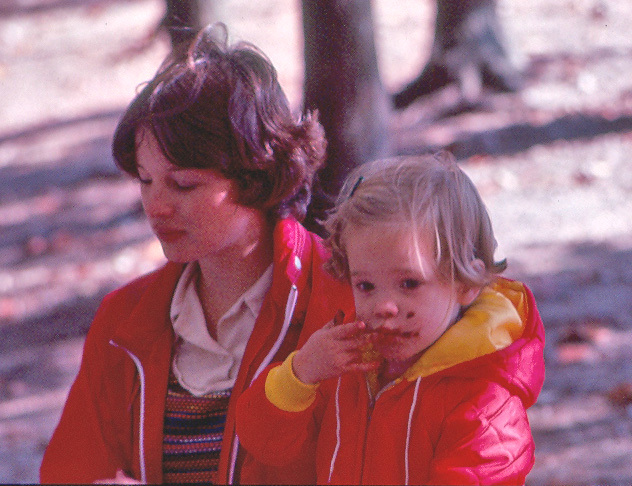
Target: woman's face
(193,211)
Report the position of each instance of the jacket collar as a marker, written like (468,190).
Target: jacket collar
(493,322)
(292,247)
(149,318)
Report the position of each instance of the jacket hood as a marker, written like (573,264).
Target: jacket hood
(500,336)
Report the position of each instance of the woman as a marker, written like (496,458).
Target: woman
(225,175)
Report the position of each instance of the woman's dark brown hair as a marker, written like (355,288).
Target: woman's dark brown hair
(221,107)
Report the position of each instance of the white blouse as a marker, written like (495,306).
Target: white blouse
(200,363)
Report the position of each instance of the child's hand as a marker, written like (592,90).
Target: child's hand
(332,351)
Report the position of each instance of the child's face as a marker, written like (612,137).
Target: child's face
(410,305)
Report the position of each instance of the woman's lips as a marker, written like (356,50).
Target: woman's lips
(169,235)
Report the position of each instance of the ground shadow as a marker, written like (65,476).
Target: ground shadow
(68,320)
(519,137)
(9,8)
(44,128)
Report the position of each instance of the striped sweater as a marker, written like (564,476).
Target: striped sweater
(193,432)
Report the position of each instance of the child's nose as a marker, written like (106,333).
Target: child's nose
(386,309)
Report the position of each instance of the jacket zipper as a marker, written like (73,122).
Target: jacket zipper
(289,312)
(371,408)
(141,432)
(372,403)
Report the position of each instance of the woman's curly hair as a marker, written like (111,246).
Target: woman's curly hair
(219,106)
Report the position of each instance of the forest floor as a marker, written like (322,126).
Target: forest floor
(552,163)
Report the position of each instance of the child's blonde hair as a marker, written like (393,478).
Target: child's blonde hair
(427,194)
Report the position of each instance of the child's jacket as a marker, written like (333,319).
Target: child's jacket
(113,418)
(457,416)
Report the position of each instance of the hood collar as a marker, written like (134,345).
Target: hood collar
(291,244)
(490,324)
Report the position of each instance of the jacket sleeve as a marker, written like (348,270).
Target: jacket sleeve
(78,451)
(275,418)
(484,440)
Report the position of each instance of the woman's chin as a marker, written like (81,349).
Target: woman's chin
(173,255)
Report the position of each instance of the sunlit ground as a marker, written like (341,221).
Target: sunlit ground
(558,186)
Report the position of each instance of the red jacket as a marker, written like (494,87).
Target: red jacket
(113,418)
(457,416)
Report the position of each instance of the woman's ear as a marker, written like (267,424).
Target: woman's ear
(468,293)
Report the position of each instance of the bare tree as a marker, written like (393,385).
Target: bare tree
(468,49)
(342,82)
(342,79)
(183,19)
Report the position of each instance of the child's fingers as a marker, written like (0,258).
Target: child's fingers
(336,321)
(348,330)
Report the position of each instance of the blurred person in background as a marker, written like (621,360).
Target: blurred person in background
(225,174)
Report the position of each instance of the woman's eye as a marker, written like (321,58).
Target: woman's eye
(411,283)
(365,286)
(185,186)
(185,181)
(144,182)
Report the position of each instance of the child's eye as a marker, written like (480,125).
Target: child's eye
(365,286)
(411,283)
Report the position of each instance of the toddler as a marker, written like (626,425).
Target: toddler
(430,381)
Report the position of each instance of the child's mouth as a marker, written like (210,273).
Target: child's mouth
(384,338)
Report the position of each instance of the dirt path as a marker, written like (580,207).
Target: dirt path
(552,164)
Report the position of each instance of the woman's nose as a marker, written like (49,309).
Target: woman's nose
(156,203)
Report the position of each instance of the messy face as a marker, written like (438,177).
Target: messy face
(398,290)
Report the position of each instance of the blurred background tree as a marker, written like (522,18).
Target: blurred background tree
(468,50)
(342,78)
(342,82)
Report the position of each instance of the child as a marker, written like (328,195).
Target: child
(430,381)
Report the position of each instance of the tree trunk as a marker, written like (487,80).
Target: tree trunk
(342,82)
(185,18)
(468,50)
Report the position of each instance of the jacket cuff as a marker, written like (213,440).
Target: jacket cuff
(286,391)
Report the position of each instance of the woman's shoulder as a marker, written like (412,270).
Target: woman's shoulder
(156,287)
(151,292)
(163,279)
